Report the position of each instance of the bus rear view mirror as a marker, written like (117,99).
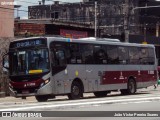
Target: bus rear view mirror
(5,63)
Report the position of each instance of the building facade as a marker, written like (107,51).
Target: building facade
(113,16)
(6,18)
(6,35)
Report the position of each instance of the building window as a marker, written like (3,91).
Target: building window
(55,15)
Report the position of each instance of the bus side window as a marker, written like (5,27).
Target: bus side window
(75,56)
(52,57)
(100,56)
(60,58)
(123,55)
(87,53)
(58,54)
(133,55)
(112,53)
(144,55)
(151,59)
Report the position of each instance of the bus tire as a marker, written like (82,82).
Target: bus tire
(101,93)
(131,88)
(76,91)
(124,92)
(41,98)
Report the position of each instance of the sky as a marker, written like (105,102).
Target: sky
(25,3)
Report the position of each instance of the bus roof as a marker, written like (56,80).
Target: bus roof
(88,40)
(101,41)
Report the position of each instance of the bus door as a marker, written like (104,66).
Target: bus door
(59,64)
(94,75)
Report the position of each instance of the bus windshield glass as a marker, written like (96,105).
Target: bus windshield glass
(33,61)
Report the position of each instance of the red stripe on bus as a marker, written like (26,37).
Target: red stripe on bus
(19,85)
(116,77)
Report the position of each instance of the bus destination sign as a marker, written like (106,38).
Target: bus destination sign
(28,43)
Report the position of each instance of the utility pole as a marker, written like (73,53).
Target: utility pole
(145,33)
(95,31)
(126,21)
(43,2)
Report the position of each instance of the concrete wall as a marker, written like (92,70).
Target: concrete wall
(6,18)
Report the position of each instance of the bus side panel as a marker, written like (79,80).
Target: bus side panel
(63,80)
(135,72)
(112,78)
(58,81)
(149,75)
(46,89)
(76,72)
(94,75)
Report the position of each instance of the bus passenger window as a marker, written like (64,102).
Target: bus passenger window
(144,56)
(112,53)
(133,55)
(151,59)
(87,53)
(75,54)
(100,56)
(60,58)
(123,55)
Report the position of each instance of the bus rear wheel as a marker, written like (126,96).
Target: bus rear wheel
(41,98)
(131,88)
(76,91)
(101,93)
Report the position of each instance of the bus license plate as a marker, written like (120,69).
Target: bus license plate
(25,91)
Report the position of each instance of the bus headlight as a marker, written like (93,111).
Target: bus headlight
(46,81)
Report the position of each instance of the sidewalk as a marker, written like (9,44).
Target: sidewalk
(2,94)
(13,100)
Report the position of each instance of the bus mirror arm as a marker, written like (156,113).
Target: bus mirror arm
(4,61)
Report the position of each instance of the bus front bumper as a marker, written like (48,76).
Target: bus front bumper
(15,94)
(45,90)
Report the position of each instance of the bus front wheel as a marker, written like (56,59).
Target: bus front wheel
(41,98)
(76,91)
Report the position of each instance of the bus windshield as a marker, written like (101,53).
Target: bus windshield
(33,61)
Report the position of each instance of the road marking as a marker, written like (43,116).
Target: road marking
(79,104)
(110,98)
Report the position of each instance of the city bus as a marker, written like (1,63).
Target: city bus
(46,67)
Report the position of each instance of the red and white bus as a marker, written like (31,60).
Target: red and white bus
(48,66)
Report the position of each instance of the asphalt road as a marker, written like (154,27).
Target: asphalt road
(143,100)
